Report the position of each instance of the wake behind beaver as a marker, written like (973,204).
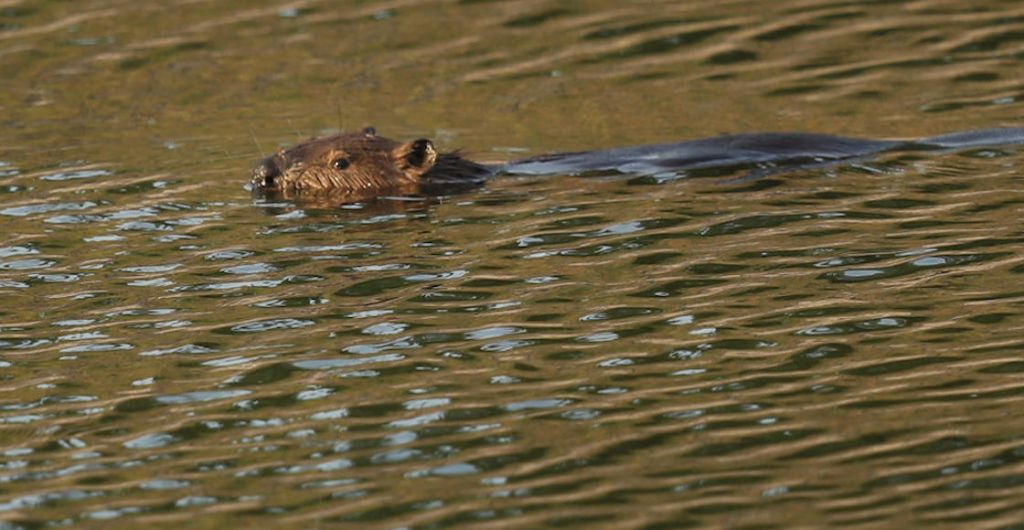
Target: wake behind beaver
(353,167)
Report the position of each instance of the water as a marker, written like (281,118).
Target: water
(830,347)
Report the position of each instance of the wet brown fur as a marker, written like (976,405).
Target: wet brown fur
(358,166)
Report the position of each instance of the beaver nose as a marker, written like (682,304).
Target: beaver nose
(265,173)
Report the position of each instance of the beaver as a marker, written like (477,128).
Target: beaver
(363,165)
(357,166)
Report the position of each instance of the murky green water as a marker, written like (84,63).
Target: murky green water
(836,347)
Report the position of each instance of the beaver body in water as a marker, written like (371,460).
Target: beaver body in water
(358,166)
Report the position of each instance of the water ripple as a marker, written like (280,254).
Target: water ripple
(809,347)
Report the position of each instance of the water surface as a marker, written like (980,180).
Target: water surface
(828,347)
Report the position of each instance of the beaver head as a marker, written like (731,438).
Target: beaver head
(347,163)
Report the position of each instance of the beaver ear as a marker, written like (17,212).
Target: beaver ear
(418,155)
(370,131)
(422,154)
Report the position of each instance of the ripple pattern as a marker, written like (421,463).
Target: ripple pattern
(827,347)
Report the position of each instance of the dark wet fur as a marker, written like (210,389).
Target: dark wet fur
(453,172)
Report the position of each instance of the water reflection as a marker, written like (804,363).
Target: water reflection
(837,346)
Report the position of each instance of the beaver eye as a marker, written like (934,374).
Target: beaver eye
(340,163)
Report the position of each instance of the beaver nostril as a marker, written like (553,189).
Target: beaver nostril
(265,174)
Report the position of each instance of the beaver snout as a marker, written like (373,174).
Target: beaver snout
(265,174)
